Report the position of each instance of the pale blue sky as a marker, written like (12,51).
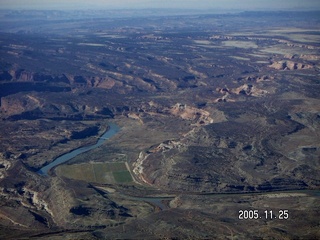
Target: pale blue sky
(189,4)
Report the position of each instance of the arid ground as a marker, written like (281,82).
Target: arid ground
(219,118)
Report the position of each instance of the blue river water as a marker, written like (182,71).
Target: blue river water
(113,129)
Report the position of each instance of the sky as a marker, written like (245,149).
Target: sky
(180,4)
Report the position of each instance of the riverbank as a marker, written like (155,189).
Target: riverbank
(112,130)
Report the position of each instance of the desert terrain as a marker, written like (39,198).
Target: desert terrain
(217,114)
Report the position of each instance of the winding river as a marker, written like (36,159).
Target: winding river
(113,129)
(156,201)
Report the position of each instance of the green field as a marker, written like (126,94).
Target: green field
(122,177)
(109,172)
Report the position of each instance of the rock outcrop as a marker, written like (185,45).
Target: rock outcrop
(250,90)
(198,116)
(290,65)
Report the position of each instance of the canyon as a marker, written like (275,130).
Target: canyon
(214,117)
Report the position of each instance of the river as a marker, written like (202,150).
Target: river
(157,201)
(113,129)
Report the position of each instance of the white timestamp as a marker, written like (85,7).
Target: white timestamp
(266,214)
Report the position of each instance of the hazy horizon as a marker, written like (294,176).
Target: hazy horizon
(160,4)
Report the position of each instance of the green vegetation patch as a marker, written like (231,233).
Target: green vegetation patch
(110,172)
(122,177)
(117,166)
